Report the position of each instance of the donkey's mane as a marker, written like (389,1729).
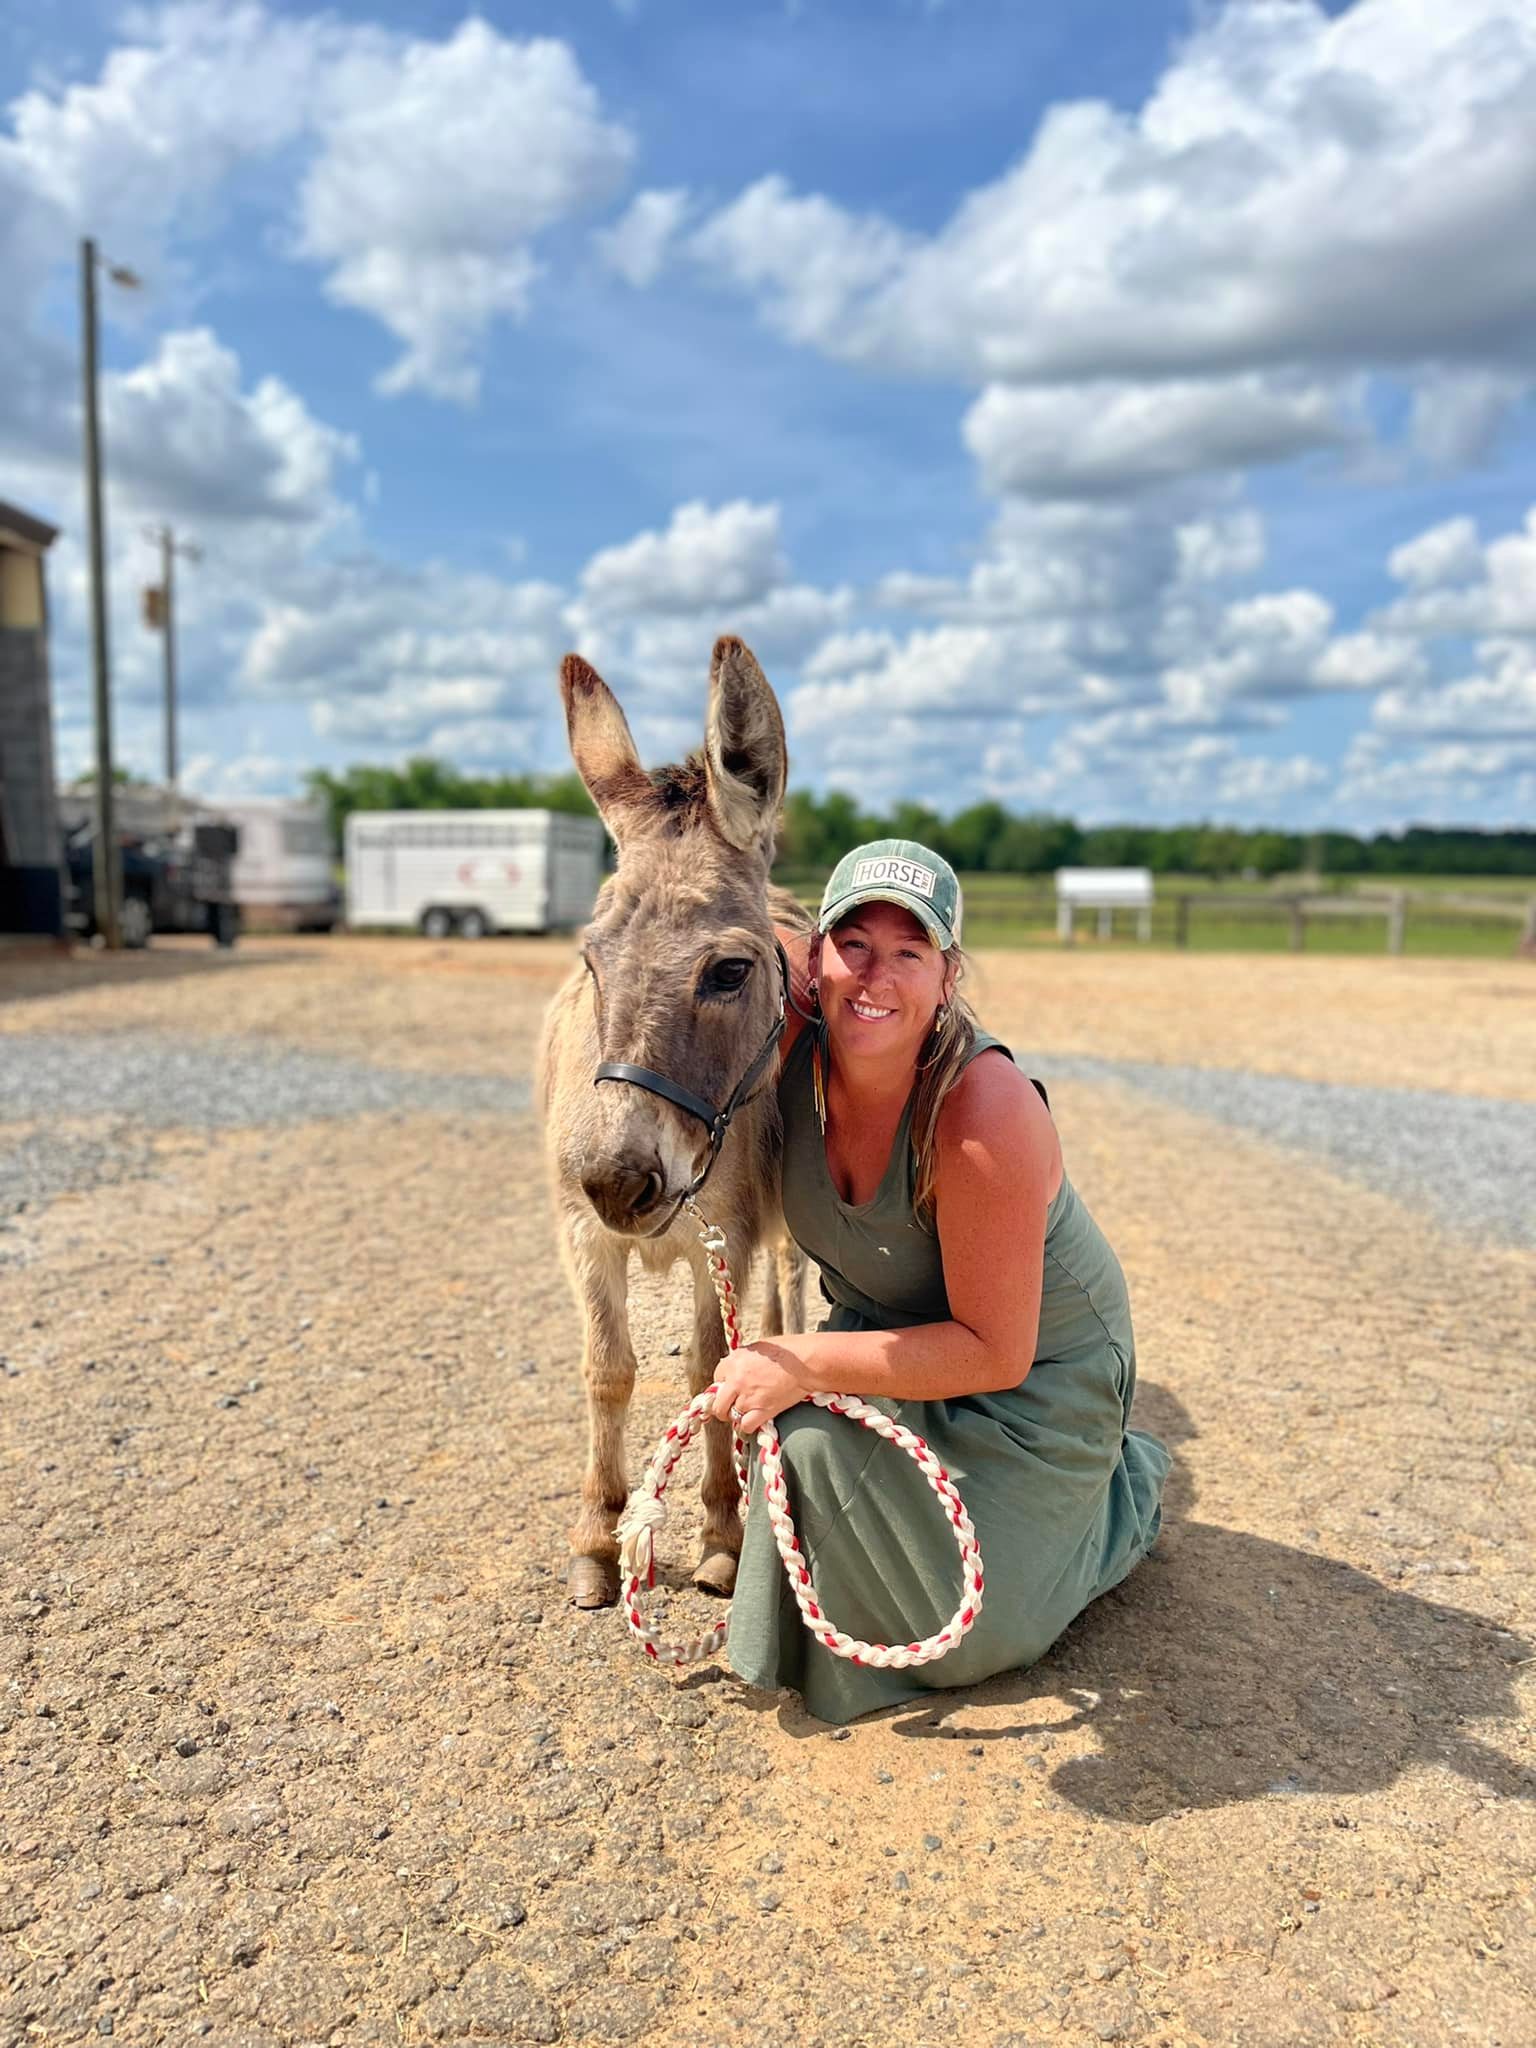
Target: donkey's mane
(683,789)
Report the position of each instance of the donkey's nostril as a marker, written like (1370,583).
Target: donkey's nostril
(624,1195)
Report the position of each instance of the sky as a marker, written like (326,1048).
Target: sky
(1109,407)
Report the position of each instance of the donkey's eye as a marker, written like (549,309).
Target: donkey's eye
(725,977)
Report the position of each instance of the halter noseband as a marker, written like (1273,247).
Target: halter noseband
(716,1121)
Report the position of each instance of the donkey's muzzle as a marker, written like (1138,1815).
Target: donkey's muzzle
(626,1194)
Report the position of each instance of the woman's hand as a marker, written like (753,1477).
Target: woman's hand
(755,1385)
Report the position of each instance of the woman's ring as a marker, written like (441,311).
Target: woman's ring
(735,1415)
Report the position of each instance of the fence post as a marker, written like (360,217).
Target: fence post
(1064,920)
(1528,935)
(1298,925)
(1181,920)
(1397,918)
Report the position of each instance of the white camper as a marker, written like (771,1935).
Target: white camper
(282,873)
(471,872)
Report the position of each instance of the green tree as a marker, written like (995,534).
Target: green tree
(1036,845)
(967,840)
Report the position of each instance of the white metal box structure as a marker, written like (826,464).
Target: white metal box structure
(472,872)
(282,873)
(1105,890)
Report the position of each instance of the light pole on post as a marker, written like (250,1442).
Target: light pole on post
(107,862)
(160,613)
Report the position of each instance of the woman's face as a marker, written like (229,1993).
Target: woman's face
(881,978)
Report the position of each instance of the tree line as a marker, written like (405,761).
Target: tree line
(818,831)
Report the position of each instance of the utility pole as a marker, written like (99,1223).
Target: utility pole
(107,862)
(160,612)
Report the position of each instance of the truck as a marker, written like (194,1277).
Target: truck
(468,874)
(283,872)
(172,881)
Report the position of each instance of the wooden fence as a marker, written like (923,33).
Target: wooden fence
(1390,905)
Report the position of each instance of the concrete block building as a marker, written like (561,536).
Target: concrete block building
(31,851)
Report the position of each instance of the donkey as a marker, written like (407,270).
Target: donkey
(681,982)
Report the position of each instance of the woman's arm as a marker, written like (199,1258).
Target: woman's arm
(999,1167)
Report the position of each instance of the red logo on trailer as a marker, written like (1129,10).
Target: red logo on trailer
(484,873)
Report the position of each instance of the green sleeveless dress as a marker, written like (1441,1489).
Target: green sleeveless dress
(1065,1498)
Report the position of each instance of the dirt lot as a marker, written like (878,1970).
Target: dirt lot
(299,1742)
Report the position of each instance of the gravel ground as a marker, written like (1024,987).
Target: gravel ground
(1468,1159)
(299,1742)
(222,1084)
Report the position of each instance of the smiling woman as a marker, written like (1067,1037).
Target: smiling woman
(971,1295)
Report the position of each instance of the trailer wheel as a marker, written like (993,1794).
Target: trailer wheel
(437,923)
(474,924)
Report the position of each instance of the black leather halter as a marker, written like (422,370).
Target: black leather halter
(716,1121)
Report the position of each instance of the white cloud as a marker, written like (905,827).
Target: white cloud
(1220,545)
(961,671)
(1122,769)
(188,439)
(1497,704)
(812,265)
(406,710)
(366,628)
(1491,781)
(1459,592)
(432,167)
(1459,415)
(253,774)
(1089,439)
(1285,194)
(439,165)
(639,242)
(1447,553)
(721,558)
(1368,661)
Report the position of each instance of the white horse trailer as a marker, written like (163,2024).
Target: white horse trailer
(471,872)
(282,873)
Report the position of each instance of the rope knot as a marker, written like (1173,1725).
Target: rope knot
(637,1544)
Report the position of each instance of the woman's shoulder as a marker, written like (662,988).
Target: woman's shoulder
(796,944)
(993,1101)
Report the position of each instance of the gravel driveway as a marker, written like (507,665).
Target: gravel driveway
(299,1742)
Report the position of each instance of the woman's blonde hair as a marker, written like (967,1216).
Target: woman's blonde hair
(940,1064)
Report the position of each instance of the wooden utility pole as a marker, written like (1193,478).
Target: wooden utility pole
(106,863)
(160,613)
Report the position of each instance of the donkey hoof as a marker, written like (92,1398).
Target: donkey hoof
(592,1582)
(716,1572)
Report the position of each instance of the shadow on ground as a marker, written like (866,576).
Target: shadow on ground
(1229,1668)
(29,976)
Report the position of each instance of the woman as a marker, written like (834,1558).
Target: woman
(971,1293)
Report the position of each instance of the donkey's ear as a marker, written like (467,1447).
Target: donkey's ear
(744,757)
(601,746)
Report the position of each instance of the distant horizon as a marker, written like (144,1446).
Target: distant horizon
(1089,408)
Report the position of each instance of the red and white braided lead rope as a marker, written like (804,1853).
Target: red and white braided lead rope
(646,1512)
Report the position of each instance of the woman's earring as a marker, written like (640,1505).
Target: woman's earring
(814,993)
(940,1016)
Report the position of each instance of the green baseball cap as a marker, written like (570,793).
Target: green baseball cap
(896,871)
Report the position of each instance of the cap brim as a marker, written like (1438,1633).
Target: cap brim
(924,912)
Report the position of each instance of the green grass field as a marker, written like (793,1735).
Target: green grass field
(1020,911)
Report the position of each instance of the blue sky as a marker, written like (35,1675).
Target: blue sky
(1113,408)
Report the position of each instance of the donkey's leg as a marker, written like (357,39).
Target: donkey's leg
(721,1544)
(608,1368)
(784,1290)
